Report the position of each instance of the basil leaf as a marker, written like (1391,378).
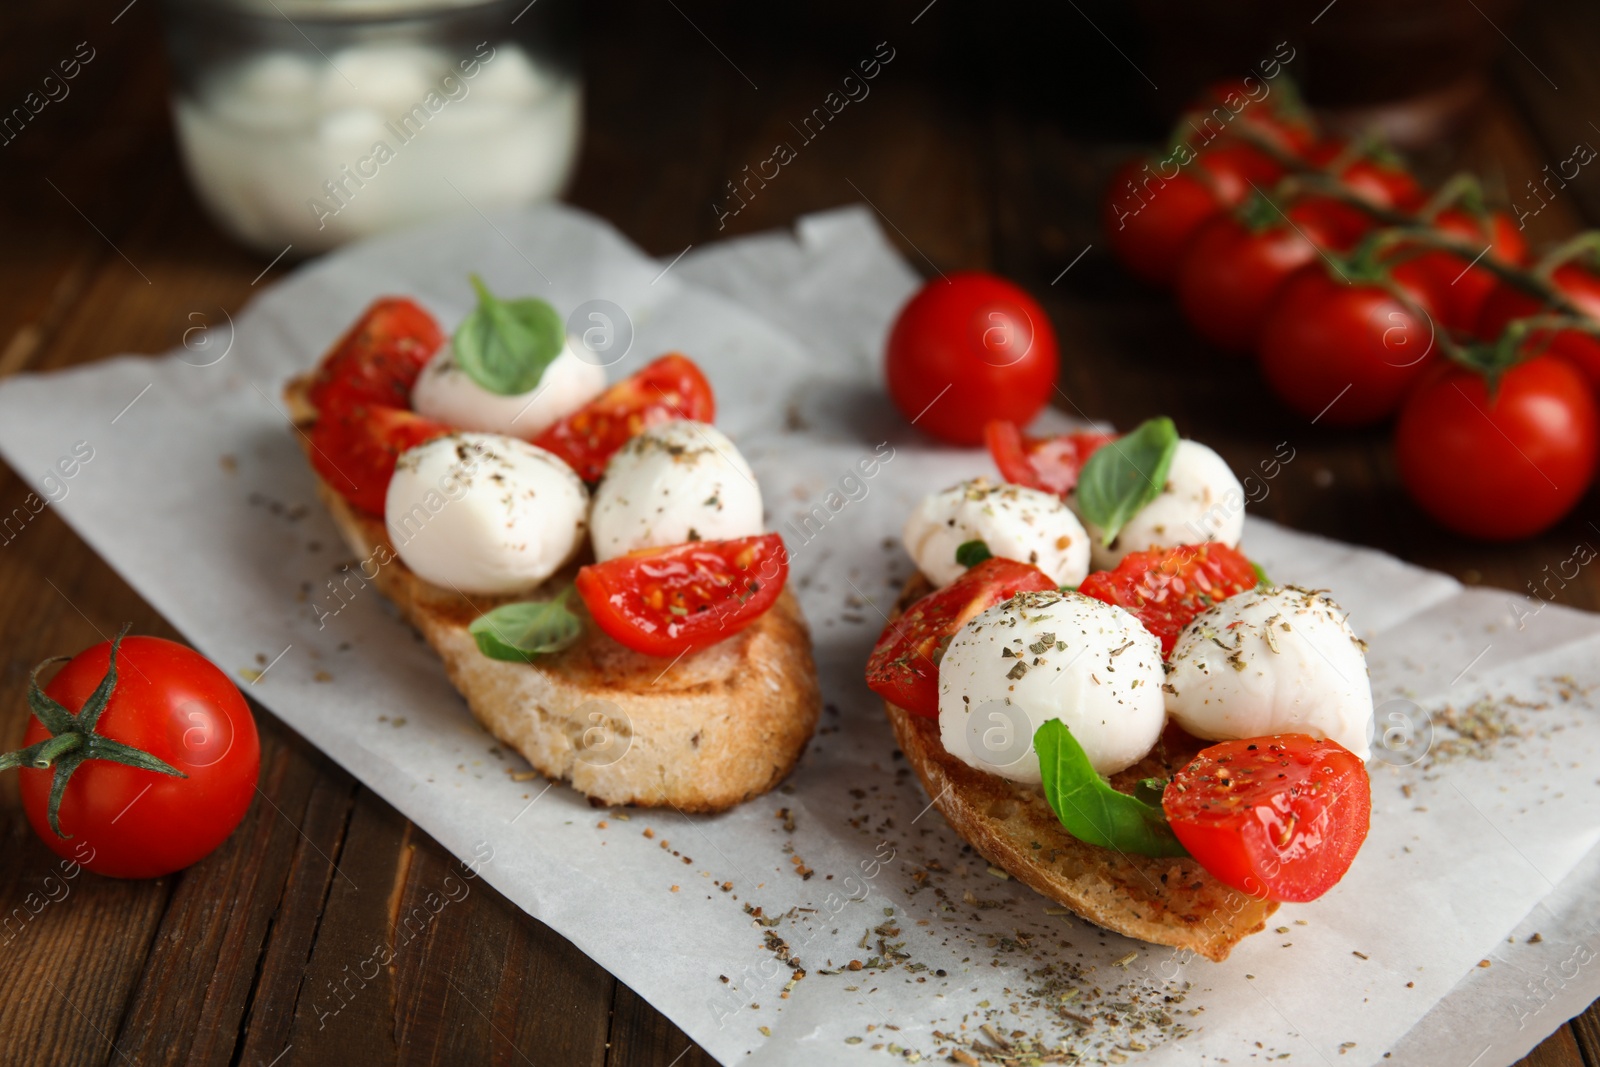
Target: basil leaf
(1089,808)
(972,553)
(520,632)
(1121,478)
(1261,575)
(505,345)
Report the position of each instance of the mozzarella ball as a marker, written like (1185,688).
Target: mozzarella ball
(677,482)
(1201,501)
(485,514)
(1014,521)
(1050,655)
(1278,660)
(445,393)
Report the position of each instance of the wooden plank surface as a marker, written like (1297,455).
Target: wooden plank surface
(983,144)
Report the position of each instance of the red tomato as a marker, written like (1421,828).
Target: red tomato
(968,348)
(671,387)
(1152,209)
(1268,113)
(904,666)
(666,601)
(171,703)
(1460,286)
(1166,588)
(1048,463)
(1345,353)
(1505,466)
(1232,268)
(354,448)
(1579,285)
(378,359)
(1279,818)
(1384,184)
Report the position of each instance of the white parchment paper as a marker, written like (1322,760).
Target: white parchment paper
(198,494)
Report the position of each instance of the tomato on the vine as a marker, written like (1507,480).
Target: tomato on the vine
(1279,818)
(1345,352)
(1500,465)
(1381,183)
(1236,264)
(1579,285)
(904,666)
(671,387)
(667,601)
(967,348)
(1460,285)
(1152,208)
(1165,588)
(1048,463)
(158,768)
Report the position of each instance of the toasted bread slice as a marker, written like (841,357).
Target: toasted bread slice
(1164,900)
(701,733)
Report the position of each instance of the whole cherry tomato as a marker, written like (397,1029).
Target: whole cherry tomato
(1152,208)
(1235,265)
(1579,285)
(968,348)
(1461,286)
(168,762)
(1279,818)
(1345,352)
(1505,464)
(1270,111)
(1384,184)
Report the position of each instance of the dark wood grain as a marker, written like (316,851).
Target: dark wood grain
(328,929)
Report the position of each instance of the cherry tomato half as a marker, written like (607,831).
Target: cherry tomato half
(1166,588)
(968,348)
(1579,285)
(671,387)
(903,668)
(665,601)
(174,704)
(1048,463)
(1279,818)
(354,448)
(1501,466)
(378,359)
(1345,353)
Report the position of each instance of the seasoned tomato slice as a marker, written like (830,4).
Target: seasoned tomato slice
(1048,463)
(1280,818)
(670,388)
(666,601)
(904,667)
(354,449)
(1167,587)
(378,359)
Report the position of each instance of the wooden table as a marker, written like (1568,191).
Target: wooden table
(982,145)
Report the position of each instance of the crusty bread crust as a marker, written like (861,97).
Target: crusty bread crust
(1163,900)
(700,734)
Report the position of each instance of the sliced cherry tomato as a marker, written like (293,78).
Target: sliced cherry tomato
(904,666)
(1166,588)
(671,387)
(1345,353)
(1279,818)
(1579,285)
(378,359)
(1236,264)
(1153,208)
(354,449)
(967,348)
(1501,466)
(168,702)
(666,601)
(1048,463)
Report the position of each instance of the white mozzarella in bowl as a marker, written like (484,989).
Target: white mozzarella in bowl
(677,482)
(1015,522)
(1050,655)
(445,393)
(484,513)
(1201,501)
(1272,660)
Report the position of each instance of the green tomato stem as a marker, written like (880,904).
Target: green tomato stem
(54,749)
